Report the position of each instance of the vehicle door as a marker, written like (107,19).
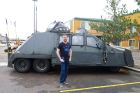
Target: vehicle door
(78,48)
(94,51)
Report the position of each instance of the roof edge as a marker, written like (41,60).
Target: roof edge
(90,19)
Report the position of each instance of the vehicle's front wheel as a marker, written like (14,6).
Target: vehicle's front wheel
(22,65)
(41,65)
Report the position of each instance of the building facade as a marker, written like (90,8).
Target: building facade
(78,23)
(133,43)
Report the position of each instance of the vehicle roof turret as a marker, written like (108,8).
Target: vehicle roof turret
(58,27)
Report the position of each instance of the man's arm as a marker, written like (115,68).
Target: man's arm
(70,53)
(58,54)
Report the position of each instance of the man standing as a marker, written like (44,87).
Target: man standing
(64,53)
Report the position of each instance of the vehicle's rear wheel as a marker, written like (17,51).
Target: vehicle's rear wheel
(22,65)
(41,65)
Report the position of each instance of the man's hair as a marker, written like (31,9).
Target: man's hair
(65,35)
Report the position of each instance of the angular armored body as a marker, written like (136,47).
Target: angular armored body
(38,52)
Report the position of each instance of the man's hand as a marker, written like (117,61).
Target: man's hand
(69,59)
(70,53)
(61,60)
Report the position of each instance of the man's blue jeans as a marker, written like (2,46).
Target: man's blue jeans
(64,71)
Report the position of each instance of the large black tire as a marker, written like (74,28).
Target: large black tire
(22,65)
(41,65)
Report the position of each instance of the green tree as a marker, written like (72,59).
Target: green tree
(116,29)
(138,1)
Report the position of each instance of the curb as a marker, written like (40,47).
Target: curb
(133,68)
(137,66)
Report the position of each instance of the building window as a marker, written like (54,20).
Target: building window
(82,24)
(133,29)
(85,25)
(131,43)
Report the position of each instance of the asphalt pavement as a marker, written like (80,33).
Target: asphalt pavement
(81,79)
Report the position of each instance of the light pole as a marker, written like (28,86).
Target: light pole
(35,16)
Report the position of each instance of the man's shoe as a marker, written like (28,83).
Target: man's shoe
(66,83)
(61,85)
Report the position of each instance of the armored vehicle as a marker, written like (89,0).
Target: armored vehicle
(39,51)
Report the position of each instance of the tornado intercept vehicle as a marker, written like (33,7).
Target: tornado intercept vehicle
(39,51)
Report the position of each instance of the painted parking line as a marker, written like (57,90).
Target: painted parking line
(3,63)
(99,87)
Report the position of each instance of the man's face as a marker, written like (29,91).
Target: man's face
(65,38)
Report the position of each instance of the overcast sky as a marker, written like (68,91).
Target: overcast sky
(21,11)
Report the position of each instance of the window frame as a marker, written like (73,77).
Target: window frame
(133,42)
(69,35)
(89,45)
(75,44)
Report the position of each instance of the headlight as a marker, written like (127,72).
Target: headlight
(67,29)
(60,29)
(64,29)
(57,29)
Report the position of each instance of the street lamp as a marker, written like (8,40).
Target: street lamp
(35,16)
